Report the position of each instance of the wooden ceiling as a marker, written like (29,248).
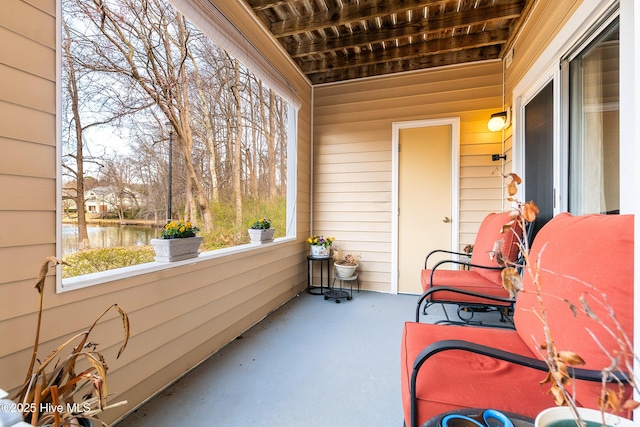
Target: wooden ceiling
(336,40)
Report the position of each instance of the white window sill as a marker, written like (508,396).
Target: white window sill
(87,280)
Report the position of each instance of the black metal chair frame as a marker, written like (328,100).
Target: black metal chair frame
(518,359)
(505,309)
(463,307)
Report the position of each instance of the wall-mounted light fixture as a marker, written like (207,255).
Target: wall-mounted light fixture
(499,121)
(496,157)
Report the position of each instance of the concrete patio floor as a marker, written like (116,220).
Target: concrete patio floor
(310,363)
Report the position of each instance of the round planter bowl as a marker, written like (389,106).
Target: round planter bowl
(561,416)
(345,271)
(319,251)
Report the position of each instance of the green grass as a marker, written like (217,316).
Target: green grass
(95,260)
(225,235)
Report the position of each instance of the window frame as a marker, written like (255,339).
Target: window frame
(586,23)
(598,31)
(92,279)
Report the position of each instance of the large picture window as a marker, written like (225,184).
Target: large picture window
(594,140)
(159,120)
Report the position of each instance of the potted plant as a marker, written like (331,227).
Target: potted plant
(560,362)
(320,245)
(346,263)
(53,393)
(261,232)
(178,242)
(468,250)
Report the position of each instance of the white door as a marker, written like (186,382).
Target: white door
(427,197)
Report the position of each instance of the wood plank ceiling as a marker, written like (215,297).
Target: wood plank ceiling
(336,40)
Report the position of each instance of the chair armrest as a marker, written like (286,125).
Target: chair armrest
(442,251)
(430,291)
(518,359)
(466,264)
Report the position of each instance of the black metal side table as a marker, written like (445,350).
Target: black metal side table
(315,289)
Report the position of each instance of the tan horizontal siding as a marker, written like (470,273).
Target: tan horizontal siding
(16,156)
(481,183)
(15,85)
(179,316)
(35,20)
(37,222)
(353,158)
(18,123)
(19,52)
(28,193)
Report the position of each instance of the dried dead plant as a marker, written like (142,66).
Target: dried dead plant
(342,257)
(53,392)
(622,358)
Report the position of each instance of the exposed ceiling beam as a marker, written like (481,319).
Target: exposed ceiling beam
(450,58)
(336,40)
(346,15)
(267,4)
(408,52)
(447,22)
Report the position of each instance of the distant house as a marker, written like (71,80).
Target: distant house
(101,200)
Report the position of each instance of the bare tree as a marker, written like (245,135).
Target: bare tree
(206,119)
(72,98)
(147,41)
(81,97)
(118,176)
(237,144)
(152,67)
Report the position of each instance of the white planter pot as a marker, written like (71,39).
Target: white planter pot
(259,237)
(560,416)
(168,250)
(319,251)
(345,271)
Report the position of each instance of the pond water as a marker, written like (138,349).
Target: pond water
(108,236)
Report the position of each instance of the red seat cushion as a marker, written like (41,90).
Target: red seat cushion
(577,254)
(488,234)
(478,279)
(462,279)
(455,379)
(574,253)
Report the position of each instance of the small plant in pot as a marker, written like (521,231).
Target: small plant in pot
(179,230)
(468,250)
(320,245)
(261,232)
(178,242)
(346,263)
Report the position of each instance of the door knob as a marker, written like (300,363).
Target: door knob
(446,219)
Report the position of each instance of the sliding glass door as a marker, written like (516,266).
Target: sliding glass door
(594,140)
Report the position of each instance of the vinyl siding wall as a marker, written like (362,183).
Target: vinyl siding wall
(179,316)
(352,158)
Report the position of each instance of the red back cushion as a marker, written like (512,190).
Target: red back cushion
(577,254)
(488,234)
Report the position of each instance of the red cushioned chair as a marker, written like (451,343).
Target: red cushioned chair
(449,367)
(481,275)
